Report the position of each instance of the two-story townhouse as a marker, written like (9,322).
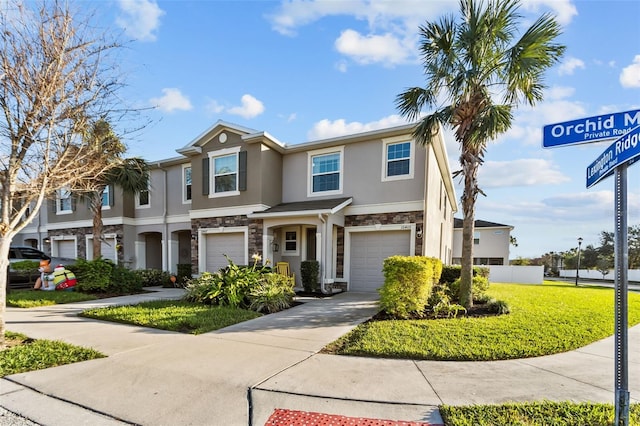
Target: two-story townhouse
(348,202)
(490,242)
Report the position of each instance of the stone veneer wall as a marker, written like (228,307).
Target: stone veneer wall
(255,233)
(81,234)
(401,218)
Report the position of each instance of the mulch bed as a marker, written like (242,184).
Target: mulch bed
(281,417)
(476,311)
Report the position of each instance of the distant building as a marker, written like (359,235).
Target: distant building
(490,243)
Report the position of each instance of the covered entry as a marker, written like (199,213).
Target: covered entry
(367,252)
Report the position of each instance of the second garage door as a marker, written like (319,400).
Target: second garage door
(368,251)
(231,244)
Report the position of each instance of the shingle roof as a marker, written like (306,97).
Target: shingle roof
(332,205)
(457,223)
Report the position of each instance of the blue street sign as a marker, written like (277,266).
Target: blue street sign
(592,129)
(625,149)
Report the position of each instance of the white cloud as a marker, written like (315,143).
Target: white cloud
(250,108)
(140,18)
(172,100)
(522,172)
(325,129)
(214,107)
(564,10)
(630,76)
(559,92)
(387,48)
(569,66)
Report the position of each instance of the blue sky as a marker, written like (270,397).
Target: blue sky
(308,70)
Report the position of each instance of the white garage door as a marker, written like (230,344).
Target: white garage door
(66,248)
(218,245)
(368,251)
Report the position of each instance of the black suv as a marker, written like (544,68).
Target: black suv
(26,279)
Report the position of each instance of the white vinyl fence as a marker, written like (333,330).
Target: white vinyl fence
(634,274)
(516,274)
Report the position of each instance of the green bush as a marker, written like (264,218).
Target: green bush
(197,289)
(499,307)
(408,281)
(185,273)
(93,275)
(27,268)
(479,286)
(309,270)
(273,293)
(124,281)
(450,273)
(153,277)
(439,303)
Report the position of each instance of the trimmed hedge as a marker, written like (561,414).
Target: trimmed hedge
(450,273)
(408,281)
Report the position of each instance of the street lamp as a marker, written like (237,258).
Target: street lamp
(578,263)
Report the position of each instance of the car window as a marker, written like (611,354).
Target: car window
(13,254)
(28,253)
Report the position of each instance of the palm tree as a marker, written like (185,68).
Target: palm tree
(477,73)
(130,174)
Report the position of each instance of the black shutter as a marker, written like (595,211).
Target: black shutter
(242,171)
(205,176)
(73,202)
(112,198)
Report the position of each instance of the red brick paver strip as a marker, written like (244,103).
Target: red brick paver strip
(281,417)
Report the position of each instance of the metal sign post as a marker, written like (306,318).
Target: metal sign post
(621,287)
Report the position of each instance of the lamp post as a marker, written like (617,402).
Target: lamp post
(578,263)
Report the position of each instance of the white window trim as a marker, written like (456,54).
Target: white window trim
(212,187)
(325,151)
(59,198)
(283,244)
(143,206)
(412,156)
(184,184)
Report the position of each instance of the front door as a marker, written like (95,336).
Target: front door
(311,244)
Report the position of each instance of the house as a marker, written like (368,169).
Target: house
(348,202)
(490,243)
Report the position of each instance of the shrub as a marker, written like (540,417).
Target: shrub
(450,273)
(93,275)
(440,304)
(124,280)
(198,289)
(185,273)
(273,293)
(479,286)
(309,270)
(499,307)
(408,281)
(152,277)
(27,268)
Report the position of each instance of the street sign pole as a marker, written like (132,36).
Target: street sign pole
(621,287)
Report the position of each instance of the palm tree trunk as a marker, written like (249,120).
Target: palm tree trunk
(96,209)
(470,162)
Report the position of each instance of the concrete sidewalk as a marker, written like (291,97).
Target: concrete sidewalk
(241,374)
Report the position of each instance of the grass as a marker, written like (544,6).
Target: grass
(535,413)
(24,354)
(173,315)
(544,319)
(32,299)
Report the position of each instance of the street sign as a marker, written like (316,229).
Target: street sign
(592,129)
(624,150)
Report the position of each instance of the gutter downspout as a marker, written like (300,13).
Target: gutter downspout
(165,240)
(323,244)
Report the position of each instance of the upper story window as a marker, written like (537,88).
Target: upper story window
(326,171)
(106,197)
(398,158)
(224,172)
(476,237)
(186,184)
(143,199)
(63,201)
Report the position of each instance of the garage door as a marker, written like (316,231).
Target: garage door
(66,248)
(368,250)
(218,245)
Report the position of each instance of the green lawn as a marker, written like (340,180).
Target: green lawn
(32,299)
(24,354)
(535,414)
(544,319)
(173,315)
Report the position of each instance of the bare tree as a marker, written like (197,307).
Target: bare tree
(57,76)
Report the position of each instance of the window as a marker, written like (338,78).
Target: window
(225,173)
(186,184)
(143,199)
(398,155)
(106,197)
(290,242)
(326,172)
(397,159)
(476,237)
(63,201)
